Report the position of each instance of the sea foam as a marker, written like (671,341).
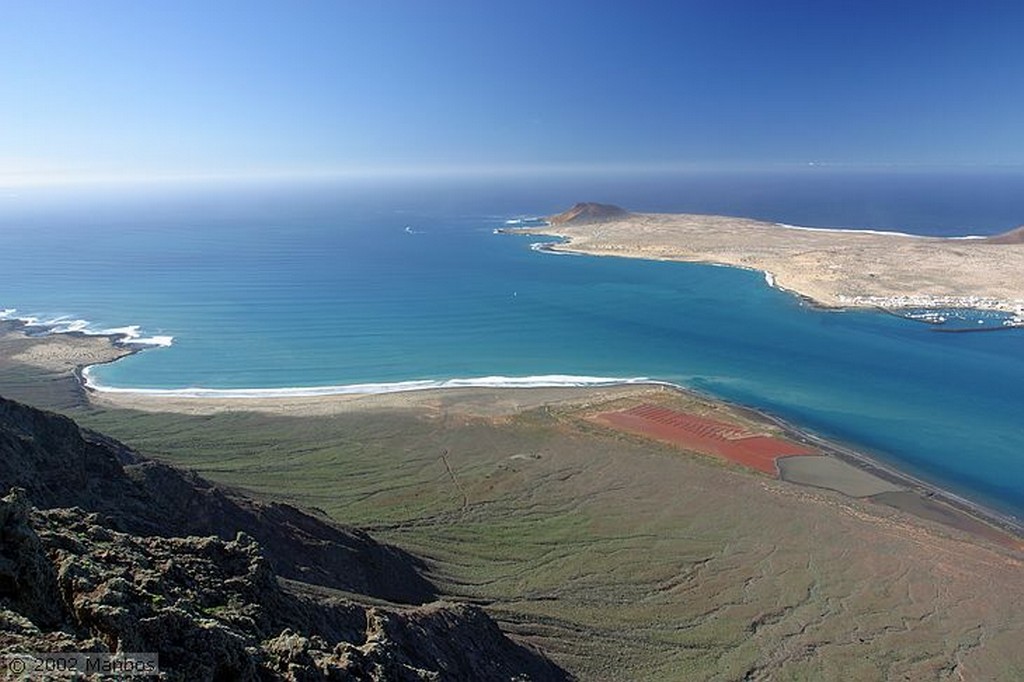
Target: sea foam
(546,247)
(836,230)
(889,233)
(64,324)
(539,381)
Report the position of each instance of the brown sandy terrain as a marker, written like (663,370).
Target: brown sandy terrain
(833,268)
(58,352)
(472,401)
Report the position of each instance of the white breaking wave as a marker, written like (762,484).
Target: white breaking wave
(883,232)
(130,335)
(540,381)
(842,231)
(131,331)
(67,326)
(545,247)
(163,341)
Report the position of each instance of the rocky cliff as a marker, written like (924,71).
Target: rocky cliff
(104,550)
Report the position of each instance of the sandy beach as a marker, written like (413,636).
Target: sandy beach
(832,268)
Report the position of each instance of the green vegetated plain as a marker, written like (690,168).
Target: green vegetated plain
(620,558)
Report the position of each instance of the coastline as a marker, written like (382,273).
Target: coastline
(478,399)
(829,268)
(552,381)
(851,455)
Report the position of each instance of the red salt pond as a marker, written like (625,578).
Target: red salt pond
(706,436)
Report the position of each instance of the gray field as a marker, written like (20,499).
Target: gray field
(834,474)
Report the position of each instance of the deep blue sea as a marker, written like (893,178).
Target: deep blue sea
(370,282)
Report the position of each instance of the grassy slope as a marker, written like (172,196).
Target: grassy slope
(626,560)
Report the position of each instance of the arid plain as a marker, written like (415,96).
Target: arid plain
(832,268)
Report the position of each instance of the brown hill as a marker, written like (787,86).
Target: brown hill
(588,212)
(1014,236)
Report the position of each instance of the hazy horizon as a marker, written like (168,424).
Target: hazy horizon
(120,92)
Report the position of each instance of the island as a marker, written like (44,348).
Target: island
(832,268)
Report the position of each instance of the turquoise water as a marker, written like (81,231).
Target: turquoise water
(283,287)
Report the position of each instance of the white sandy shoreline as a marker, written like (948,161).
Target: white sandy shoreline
(525,382)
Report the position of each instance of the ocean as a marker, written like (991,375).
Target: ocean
(378,284)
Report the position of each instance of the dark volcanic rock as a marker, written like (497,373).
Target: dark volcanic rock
(28,581)
(59,464)
(214,610)
(53,460)
(589,212)
(138,561)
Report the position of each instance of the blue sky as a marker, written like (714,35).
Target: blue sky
(140,89)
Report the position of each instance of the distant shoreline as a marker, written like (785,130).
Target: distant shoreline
(830,268)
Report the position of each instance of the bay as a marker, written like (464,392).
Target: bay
(281,286)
